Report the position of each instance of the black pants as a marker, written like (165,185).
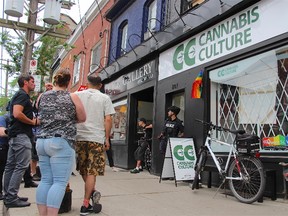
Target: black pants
(3,160)
(28,179)
(110,155)
(140,151)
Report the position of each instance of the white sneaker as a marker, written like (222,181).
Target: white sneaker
(115,169)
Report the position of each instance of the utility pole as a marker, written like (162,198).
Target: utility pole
(31,27)
(30,35)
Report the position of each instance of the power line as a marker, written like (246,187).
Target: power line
(100,12)
(82,31)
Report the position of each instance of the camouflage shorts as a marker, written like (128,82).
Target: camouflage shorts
(90,158)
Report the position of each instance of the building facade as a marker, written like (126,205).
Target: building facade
(88,46)
(157,49)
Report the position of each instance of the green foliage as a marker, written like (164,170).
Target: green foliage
(3,104)
(14,48)
(45,53)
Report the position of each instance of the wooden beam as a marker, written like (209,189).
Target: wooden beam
(38,29)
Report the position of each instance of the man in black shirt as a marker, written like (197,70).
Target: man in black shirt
(20,135)
(173,127)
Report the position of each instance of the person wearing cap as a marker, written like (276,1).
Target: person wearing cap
(92,141)
(173,127)
(144,142)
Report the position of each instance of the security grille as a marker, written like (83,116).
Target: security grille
(255,98)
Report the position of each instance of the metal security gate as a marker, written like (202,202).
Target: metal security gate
(252,94)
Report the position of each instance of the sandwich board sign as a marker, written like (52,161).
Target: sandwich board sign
(180,159)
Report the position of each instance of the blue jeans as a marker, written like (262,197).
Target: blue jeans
(56,160)
(19,155)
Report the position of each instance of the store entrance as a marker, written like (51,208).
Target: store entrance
(141,106)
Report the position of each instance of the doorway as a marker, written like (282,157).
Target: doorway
(141,106)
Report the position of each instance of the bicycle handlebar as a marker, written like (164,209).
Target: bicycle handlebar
(219,128)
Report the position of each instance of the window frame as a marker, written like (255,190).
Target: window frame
(77,70)
(122,38)
(147,16)
(95,62)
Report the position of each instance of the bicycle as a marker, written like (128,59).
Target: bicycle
(244,173)
(147,158)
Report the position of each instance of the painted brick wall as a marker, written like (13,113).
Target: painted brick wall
(134,15)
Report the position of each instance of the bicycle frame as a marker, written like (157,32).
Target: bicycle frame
(232,151)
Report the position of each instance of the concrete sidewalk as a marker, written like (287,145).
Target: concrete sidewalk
(125,194)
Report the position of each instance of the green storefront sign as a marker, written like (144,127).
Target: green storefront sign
(222,38)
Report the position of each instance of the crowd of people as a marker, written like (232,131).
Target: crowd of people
(58,130)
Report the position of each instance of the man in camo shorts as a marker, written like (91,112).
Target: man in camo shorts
(93,140)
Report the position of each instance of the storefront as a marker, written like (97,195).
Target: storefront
(245,63)
(132,95)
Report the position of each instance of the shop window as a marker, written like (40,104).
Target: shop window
(119,121)
(150,12)
(95,57)
(77,68)
(122,38)
(252,94)
(178,100)
(189,4)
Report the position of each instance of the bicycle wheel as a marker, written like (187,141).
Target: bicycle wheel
(147,157)
(198,168)
(251,187)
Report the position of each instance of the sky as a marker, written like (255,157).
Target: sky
(77,11)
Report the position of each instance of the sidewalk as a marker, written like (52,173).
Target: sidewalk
(125,194)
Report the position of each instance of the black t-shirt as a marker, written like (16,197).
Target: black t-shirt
(172,128)
(17,127)
(148,132)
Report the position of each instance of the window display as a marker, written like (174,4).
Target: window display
(119,121)
(252,94)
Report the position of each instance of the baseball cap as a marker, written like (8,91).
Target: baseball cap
(142,119)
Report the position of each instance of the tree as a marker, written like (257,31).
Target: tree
(44,51)
(14,47)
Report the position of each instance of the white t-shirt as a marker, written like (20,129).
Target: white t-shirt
(97,105)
